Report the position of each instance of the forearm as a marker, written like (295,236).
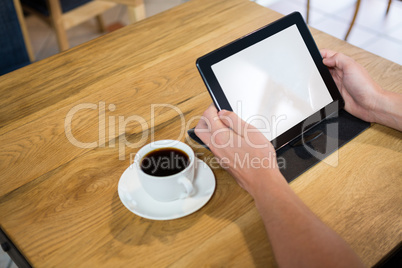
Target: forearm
(297,236)
(388,110)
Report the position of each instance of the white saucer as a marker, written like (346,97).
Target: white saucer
(135,199)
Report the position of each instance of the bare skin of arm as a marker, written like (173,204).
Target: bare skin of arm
(297,236)
(364,98)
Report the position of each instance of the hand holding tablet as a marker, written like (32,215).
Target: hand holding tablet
(274,79)
(277,73)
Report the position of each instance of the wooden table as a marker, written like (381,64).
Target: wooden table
(58,194)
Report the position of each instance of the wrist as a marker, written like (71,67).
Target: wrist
(270,184)
(388,111)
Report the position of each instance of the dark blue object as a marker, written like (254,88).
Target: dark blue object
(41,6)
(13,53)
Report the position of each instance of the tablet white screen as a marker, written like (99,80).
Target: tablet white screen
(273,84)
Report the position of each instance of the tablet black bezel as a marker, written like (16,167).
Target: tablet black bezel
(205,62)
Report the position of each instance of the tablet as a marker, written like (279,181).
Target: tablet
(274,79)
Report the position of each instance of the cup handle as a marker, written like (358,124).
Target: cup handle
(188,186)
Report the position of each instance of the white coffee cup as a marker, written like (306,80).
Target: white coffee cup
(171,187)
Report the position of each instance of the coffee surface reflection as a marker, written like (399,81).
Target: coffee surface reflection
(164,162)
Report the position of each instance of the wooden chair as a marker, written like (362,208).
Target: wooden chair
(65,14)
(136,9)
(15,47)
(354,15)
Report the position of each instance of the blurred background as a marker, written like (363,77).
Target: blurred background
(374,25)
(373,30)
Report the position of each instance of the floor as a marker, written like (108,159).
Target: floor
(373,31)
(44,41)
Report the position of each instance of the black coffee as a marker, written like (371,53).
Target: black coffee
(164,162)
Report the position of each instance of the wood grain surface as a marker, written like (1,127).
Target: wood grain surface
(59,201)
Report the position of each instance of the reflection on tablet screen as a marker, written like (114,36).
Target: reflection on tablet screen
(273,84)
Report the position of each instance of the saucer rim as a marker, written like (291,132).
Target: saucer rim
(174,203)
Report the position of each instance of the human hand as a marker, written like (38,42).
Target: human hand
(240,148)
(360,92)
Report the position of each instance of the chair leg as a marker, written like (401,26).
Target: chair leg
(101,23)
(389,5)
(308,11)
(24,30)
(353,20)
(57,22)
(136,12)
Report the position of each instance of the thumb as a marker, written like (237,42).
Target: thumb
(338,60)
(330,61)
(233,121)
